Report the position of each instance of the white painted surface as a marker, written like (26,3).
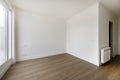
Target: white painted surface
(104,17)
(82,35)
(113,5)
(105,55)
(38,36)
(13,55)
(30,17)
(61,8)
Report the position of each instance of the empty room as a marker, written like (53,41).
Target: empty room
(59,39)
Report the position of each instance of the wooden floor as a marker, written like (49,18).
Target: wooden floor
(63,67)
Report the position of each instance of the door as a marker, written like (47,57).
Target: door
(111,37)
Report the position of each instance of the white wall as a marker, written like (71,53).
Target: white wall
(87,33)
(38,35)
(82,35)
(104,17)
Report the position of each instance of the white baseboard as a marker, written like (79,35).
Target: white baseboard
(4,68)
(75,55)
(30,57)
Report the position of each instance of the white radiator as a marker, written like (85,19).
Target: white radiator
(105,55)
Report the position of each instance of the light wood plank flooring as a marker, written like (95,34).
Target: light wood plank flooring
(63,67)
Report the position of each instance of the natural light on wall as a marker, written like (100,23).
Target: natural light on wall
(2,35)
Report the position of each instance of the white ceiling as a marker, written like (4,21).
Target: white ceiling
(63,8)
(113,5)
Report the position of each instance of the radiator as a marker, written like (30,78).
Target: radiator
(105,55)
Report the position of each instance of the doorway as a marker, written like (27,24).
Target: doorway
(111,37)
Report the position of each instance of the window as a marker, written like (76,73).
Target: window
(2,34)
(5,34)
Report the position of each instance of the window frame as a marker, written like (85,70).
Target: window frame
(9,36)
